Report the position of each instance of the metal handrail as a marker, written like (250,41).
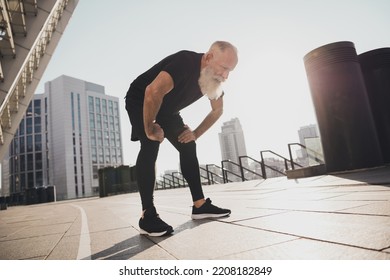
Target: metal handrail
(159,183)
(171,179)
(244,168)
(165,179)
(179,178)
(213,174)
(205,177)
(308,149)
(270,167)
(226,171)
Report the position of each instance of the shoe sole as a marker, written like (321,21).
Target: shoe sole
(155,234)
(205,216)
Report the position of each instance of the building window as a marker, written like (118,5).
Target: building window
(90,104)
(39,178)
(95,172)
(29,144)
(116,109)
(38,161)
(79,112)
(37,107)
(97,102)
(72,109)
(22,163)
(104,106)
(30,162)
(100,138)
(38,142)
(106,139)
(99,121)
(37,125)
(29,110)
(110,108)
(92,120)
(21,127)
(30,180)
(29,125)
(111,123)
(105,122)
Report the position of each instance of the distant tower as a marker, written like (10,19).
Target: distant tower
(232,143)
(308,131)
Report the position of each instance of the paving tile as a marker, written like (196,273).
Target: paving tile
(111,221)
(302,194)
(239,213)
(324,217)
(37,231)
(214,239)
(381,208)
(7,230)
(305,249)
(28,248)
(126,244)
(357,188)
(66,249)
(320,206)
(365,196)
(357,230)
(151,253)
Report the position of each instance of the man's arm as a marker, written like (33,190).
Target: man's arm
(154,95)
(209,120)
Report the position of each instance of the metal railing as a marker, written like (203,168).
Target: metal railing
(270,167)
(243,168)
(173,180)
(317,156)
(203,176)
(181,182)
(211,175)
(222,174)
(227,171)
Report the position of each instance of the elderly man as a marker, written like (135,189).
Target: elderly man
(153,103)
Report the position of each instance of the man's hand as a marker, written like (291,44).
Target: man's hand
(154,132)
(187,135)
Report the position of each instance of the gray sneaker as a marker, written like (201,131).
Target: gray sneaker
(208,210)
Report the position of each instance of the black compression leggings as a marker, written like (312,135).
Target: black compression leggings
(146,160)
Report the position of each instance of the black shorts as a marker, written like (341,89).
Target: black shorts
(172,125)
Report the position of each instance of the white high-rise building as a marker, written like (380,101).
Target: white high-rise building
(67,134)
(232,143)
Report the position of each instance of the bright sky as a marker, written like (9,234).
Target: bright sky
(111,42)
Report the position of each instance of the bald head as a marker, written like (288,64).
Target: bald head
(222,46)
(229,51)
(217,63)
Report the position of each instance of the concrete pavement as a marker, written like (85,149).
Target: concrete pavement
(330,217)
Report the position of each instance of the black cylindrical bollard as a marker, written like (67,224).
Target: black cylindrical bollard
(375,66)
(346,125)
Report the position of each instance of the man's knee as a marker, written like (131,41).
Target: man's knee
(149,148)
(188,149)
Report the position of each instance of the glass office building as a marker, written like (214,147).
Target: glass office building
(67,134)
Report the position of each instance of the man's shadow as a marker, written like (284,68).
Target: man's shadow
(137,244)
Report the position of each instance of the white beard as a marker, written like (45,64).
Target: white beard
(209,84)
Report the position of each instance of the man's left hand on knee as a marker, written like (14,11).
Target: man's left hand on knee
(187,135)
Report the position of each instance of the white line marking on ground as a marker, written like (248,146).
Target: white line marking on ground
(84,252)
